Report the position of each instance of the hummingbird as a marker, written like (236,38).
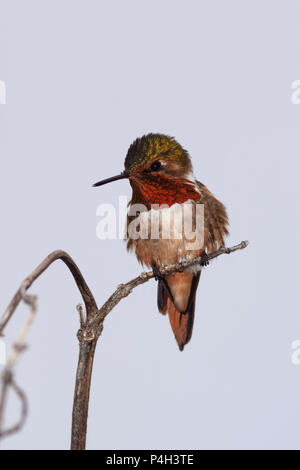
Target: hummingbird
(161,176)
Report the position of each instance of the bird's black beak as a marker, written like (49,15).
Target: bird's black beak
(122,176)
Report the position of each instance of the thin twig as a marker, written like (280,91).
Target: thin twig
(24,407)
(86,294)
(7,376)
(82,386)
(124,290)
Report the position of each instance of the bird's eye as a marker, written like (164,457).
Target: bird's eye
(156,166)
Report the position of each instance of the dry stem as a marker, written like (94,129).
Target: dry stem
(91,325)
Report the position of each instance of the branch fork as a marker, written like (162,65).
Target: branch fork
(91,327)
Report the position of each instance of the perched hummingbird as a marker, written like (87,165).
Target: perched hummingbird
(160,173)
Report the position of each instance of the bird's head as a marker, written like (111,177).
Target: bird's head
(155,154)
(159,170)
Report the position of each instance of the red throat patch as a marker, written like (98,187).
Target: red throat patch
(164,190)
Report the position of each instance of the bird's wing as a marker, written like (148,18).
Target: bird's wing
(215,220)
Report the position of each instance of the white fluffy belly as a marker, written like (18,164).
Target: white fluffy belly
(168,235)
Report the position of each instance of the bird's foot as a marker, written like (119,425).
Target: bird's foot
(204,259)
(156,272)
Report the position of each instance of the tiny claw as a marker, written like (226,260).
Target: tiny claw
(204,259)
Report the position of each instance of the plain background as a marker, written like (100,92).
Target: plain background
(85,78)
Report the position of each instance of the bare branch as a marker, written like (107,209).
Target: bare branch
(124,290)
(18,347)
(86,294)
(91,326)
(7,376)
(9,382)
